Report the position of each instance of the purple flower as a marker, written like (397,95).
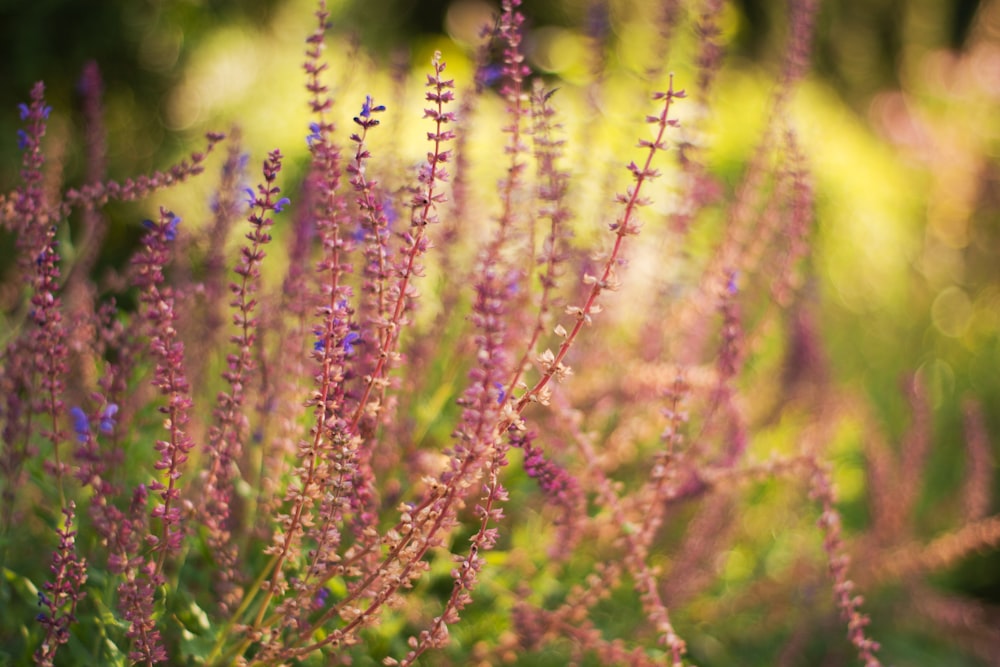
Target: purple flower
(731,285)
(171,232)
(364,119)
(22,139)
(367,109)
(320,600)
(352,338)
(512,288)
(358,235)
(107,424)
(502,395)
(349,340)
(81,425)
(281,204)
(314,134)
(489,75)
(25,111)
(251,197)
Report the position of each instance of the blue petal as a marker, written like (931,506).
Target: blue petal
(81,424)
(171,233)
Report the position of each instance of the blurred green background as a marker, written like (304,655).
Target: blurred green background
(144,47)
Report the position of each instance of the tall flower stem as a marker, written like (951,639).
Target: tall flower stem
(552,365)
(424,204)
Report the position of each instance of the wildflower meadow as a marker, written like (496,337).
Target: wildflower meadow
(533,345)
